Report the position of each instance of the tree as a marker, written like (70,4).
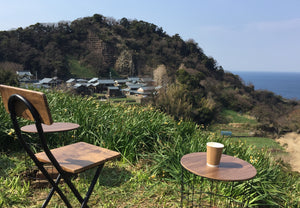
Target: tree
(160,76)
(124,22)
(124,64)
(173,100)
(210,63)
(8,78)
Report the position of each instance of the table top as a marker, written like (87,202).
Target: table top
(54,127)
(230,168)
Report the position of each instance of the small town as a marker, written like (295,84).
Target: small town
(133,87)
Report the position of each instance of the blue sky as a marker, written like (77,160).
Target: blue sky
(242,35)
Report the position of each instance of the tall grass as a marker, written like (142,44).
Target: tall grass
(144,133)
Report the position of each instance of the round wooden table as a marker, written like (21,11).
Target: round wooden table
(55,127)
(230,168)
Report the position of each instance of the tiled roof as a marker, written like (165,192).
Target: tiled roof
(95,79)
(70,80)
(46,81)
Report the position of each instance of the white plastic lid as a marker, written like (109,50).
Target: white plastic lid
(215,144)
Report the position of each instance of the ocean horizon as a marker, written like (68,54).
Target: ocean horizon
(285,84)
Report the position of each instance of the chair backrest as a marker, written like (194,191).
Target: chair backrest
(37,99)
(31,105)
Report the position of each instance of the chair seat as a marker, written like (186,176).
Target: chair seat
(75,158)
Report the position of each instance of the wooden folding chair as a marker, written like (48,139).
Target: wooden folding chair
(68,160)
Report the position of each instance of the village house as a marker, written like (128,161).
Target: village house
(114,91)
(71,82)
(24,76)
(103,84)
(81,81)
(133,80)
(48,82)
(145,91)
(93,80)
(120,82)
(147,80)
(131,88)
(83,89)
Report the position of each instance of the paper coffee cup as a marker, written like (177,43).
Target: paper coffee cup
(213,153)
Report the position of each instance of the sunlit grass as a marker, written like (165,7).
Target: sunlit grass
(235,117)
(258,142)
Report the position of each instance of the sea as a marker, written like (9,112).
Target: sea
(286,84)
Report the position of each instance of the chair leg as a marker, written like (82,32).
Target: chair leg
(73,189)
(84,201)
(36,161)
(51,192)
(54,186)
(91,188)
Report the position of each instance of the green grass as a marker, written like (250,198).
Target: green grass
(78,70)
(258,142)
(235,117)
(120,185)
(243,125)
(149,173)
(239,124)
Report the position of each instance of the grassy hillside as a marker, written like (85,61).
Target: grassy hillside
(80,71)
(149,172)
(240,124)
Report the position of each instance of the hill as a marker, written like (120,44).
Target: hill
(124,47)
(194,85)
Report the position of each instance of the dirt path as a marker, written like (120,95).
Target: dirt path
(291,142)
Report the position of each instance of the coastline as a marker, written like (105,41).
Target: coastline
(291,142)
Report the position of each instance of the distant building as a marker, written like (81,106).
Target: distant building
(48,82)
(147,80)
(134,79)
(103,84)
(114,92)
(120,82)
(81,81)
(131,88)
(24,76)
(71,82)
(93,80)
(83,89)
(146,90)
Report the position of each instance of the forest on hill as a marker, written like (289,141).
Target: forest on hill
(194,86)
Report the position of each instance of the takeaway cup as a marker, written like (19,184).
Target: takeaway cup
(213,153)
